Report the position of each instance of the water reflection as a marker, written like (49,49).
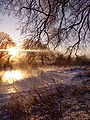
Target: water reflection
(26,79)
(12,76)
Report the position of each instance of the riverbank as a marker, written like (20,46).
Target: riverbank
(64,94)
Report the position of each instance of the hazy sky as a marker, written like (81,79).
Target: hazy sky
(9,24)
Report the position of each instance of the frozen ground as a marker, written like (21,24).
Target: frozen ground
(47,77)
(44,78)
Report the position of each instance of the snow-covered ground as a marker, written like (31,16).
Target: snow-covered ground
(44,78)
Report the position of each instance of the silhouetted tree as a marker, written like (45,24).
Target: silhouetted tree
(5,42)
(60,59)
(53,21)
(82,60)
(32,57)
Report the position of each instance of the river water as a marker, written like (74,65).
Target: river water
(13,79)
(22,80)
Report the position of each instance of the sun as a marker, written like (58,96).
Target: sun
(13,51)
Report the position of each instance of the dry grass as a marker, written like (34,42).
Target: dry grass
(70,102)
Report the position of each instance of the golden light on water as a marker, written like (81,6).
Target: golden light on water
(12,76)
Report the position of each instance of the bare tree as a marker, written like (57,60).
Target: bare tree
(5,42)
(32,57)
(53,21)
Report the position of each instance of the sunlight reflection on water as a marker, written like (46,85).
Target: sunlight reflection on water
(12,76)
(21,79)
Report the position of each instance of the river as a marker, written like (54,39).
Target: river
(22,80)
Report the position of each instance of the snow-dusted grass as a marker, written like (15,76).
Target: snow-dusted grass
(60,100)
(56,102)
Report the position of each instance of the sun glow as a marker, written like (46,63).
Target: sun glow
(13,51)
(12,76)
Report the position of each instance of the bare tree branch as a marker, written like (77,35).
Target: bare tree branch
(39,18)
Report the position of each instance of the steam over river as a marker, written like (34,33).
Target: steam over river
(14,80)
(22,80)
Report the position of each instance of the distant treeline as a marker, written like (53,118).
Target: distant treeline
(50,57)
(68,60)
(57,59)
